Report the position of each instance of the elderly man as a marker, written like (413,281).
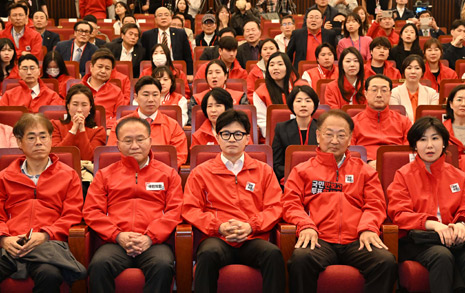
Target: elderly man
(250,50)
(49,39)
(208,36)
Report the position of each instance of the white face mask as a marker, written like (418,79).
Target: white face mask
(159,59)
(53,72)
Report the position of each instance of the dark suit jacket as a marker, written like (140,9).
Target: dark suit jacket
(100,43)
(432,33)
(179,44)
(138,54)
(298,44)
(210,53)
(64,48)
(286,134)
(244,54)
(50,40)
(407,14)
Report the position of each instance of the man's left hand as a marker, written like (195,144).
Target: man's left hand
(368,238)
(37,238)
(240,234)
(140,244)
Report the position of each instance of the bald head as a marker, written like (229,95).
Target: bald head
(163,18)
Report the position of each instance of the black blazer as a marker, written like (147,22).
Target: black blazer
(138,54)
(179,44)
(50,40)
(407,14)
(298,44)
(286,134)
(244,54)
(100,43)
(210,53)
(64,48)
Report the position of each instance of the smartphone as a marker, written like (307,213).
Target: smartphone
(25,239)
(386,13)
(336,24)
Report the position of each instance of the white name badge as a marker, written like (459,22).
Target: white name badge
(411,157)
(154,186)
(72,19)
(210,143)
(349,178)
(455,187)
(250,186)
(106,20)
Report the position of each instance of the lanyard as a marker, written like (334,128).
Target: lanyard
(166,98)
(308,133)
(359,44)
(72,51)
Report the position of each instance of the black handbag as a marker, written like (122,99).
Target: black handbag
(424,237)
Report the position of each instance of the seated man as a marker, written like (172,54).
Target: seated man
(402,12)
(287,27)
(250,50)
(134,218)
(337,203)
(455,50)
(432,30)
(234,200)
(379,125)
(49,38)
(208,35)
(383,27)
(92,20)
(211,53)
(164,130)
(32,91)
(42,194)
(378,64)
(178,22)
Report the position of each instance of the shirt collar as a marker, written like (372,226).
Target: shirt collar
(339,164)
(146,163)
(143,116)
(76,46)
(233,167)
(126,51)
(34,178)
(36,89)
(20,34)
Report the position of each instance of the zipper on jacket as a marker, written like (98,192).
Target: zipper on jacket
(136,178)
(35,193)
(236,178)
(379,116)
(337,175)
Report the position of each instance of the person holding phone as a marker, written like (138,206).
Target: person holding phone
(432,29)
(383,26)
(455,49)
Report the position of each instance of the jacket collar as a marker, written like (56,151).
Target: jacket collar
(131,163)
(377,115)
(436,167)
(328,159)
(218,167)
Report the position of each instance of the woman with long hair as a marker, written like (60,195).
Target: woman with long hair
(455,121)
(121,10)
(182,7)
(354,37)
(362,12)
(223,17)
(409,43)
(54,67)
(9,68)
(435,71)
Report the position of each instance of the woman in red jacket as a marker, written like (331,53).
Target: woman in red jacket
(455,121)
(428,194)
(54,67)
(435,71)
(79,128)
(8,67)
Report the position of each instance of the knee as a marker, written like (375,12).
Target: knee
(301,257)
(386,259)
(442,256)
(50,276)
(272,254)
(209,253)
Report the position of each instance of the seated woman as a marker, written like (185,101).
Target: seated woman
(435,71)
(223,17)
(362,12)
(348,88)
(121,10)
(325,55)
(301,130)
(7,139)
(267,48)
(411,93)
(415,205)
(455,121)
(354,37)
(279,81)
(54,67)
(79,128)
(409,43)
(8,67)
(161,56)
(168,94)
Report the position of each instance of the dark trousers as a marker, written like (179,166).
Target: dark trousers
(47,278)
(378,267)
(157,264)
(214,253)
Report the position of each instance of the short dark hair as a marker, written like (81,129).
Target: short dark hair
(218,62)
(28,120)
(335,113)
(129,26)
(421,125)
(268,40)
(221,96)
(103,53)
(456,23)
(81,89)
(325,45)
(287,17)
(160,71)
(228,43)
(145,80)
(40,11)
(380,41)
(128,15)
(178,18)
(27,57)
(357,18)
(306,89)
(17,5)
(450,99)
(312,9)
(90,18)
(230,116)
(424,12)
(382,76)
(83,22)
(130,119)
(227,30)
(409,59)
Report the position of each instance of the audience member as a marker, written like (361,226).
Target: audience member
(97,8)
(287,27)
(435,70)
(178,22)
(383,26)
(402,12)
(250,49)
(34,6)
(344,6)
(211,53)
(378,64)
(455,50)
(182,7)
(49,39)
(327,13)
(373,6)
(121,10)
(267,48)
(223,17)
(354,37)
(242,16)
(409,44)
(432,29)
(326,69)
(9,69)
(455,121)
(92,20)
(208,36)
(7,139)
(364,17)
(54,67)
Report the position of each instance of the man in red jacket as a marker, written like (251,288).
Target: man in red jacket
(383,26)
(134,205)
(378,64)
(234,200)
(337,203)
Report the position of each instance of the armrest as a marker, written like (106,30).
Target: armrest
(79,240)
(391,238)
(184,243)
(286,238)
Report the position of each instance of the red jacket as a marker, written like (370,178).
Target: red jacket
(53,206)
(255,74)
(338,203)
(415,194)
(177,74)
(86,141)
(129,204)
(97,8)
(333,96)
(389,70)
(319,72)
(376,31)
(30,42)
(236,71)
(374,129)
(213,195)
(444,73)
(62,80)
(125,84)
(237,97)
(21,96)
(164,131)
(264,95)
(109,96)
(457,142)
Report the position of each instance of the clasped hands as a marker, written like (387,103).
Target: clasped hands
(134,243)
(235,230)
(10,243)
(450,235)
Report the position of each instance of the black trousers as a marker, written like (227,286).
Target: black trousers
(378,267)
(47,278)
(157,264)
(214,253)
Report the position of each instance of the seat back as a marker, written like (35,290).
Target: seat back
(353,110)
(9,115)
(52,84)
(438,111)
(460,67)
(172,111)
(73,69)
(124,67)
(321,88)
(202,153)
(180,65)
(8,84)
(58,112)
(306,65)
(200,85)
(198,51)
(446,86)
(249,65)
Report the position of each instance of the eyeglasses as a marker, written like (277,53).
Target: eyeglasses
(238,135)
(83,32)
(339,137)
(287,24)
(129,141)
(375,90)
(315,17)
(163,14)
(26,69)
(31,139)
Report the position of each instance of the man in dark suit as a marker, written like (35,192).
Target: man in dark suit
(402,12)
(328,13)
(250,49)
(175,39)
(128,47)
(78,49)
(432,30)
(92,20)
(49,39)
(212,52)
(304,41)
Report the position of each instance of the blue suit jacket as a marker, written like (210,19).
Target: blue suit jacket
(64,48)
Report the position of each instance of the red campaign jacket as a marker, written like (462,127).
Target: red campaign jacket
(389,70)
(376,31)
(21,96)
(213,195)
(109,96)
(53,206)
(333,96)
(30,42)
(236,71)
(164,131)
(125,84)
(255,74)
(237,96)
(415,194)
(444,73)
(376,128)
(62,80)
(339,216)
(316,75)
(97,8)
(130,203)
(204,135)
(86,141)
(454,140)
(177,74)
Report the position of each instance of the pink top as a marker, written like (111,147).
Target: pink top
(7,140)
(363,46)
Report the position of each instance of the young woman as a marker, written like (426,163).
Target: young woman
(223,17)
(455,121)
(411,93)
(325,55)
(435,71)
(8,69)
(354,37)
(361,11)
(168,94)
(161,56)
(121,10)
(348,88)
(409,43)
(54,67)
(79,128)
(182,7)
(427,195)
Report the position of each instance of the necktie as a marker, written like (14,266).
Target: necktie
(165,39)
(149,120)
(77,56)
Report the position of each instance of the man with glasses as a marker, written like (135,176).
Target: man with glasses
(32,91)
(379,125)
(287,27)
(134,213)
(78,49)
(234,200)
(92,20)
(337,204)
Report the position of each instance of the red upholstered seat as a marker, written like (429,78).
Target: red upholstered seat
(413,276)
(9,115)
(172,111)
(445,87)
(24,286)
(58,112)
(438,111)
(136,278)
(250,279)
(340,278)
(321,88)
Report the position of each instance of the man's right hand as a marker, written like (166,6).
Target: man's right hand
(9,243)
(306,236)
(125,241)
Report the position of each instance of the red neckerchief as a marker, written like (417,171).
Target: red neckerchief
(348,87)
(325,72)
